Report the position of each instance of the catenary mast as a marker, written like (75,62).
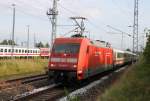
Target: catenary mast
(52,14)
(135,27)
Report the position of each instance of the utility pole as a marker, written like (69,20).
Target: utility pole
(13,30)
(34,41)
(135,27)
(28,32)
(80,25)
(52,14)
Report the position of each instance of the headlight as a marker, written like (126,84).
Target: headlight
(52,65)
(80,72)
(74,66)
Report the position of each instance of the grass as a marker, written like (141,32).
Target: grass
(13,68)
(134,85)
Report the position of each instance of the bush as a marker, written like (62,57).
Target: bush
(147,51)
(133,86)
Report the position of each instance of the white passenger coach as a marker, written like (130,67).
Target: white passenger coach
(17,51)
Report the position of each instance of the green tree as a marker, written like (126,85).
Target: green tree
(7,42)
(4,42)
(47,45)
(147,50)
(39,45)
(128,50)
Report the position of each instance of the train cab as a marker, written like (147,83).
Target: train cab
(67,59)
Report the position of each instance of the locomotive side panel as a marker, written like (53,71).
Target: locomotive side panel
(100,60)
(93,60)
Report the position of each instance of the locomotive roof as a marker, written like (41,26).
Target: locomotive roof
(97,43)
(75,40)
(121,51)
(100,43)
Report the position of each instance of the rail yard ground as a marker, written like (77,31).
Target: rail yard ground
(132,86)
(10,69)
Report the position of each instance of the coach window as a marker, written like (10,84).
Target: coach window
(5,50)
(1,50)
(16,50)
(22,51)
(19,50)
(25,51)
(30,51)
(9,50)
(120,55)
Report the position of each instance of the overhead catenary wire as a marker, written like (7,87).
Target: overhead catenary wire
(68,10)
(96,26)
(21,2)
(75,13)
(20,10)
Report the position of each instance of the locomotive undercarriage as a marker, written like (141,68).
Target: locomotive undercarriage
(62,76)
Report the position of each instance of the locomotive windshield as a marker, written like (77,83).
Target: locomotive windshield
(66,48)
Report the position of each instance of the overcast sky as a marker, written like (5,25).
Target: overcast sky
(100,13)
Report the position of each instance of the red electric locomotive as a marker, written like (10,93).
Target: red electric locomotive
(79,58)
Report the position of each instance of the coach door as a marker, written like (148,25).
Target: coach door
(107,59)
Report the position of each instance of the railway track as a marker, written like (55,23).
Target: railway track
(41,94)
(47,93)
(54,91)
(28,79)
(23,80)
